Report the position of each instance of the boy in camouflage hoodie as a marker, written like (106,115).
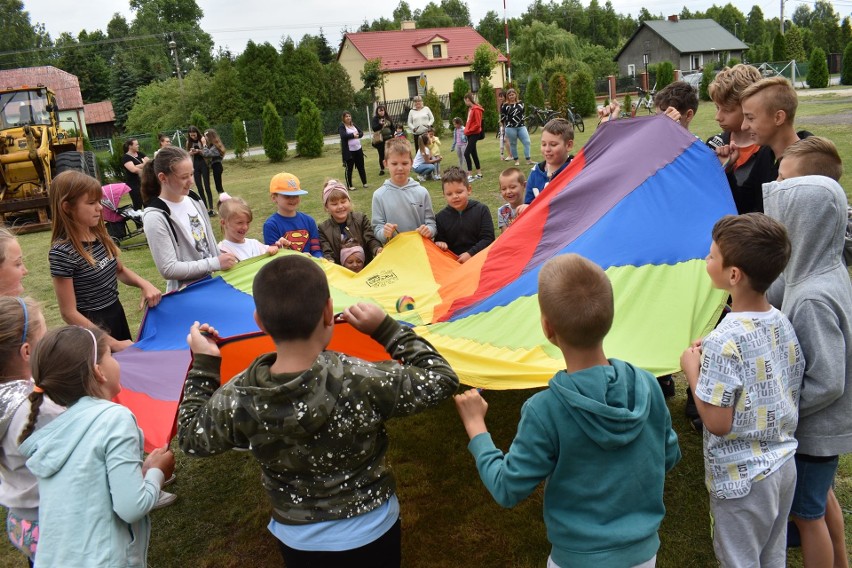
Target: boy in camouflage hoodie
(314,419)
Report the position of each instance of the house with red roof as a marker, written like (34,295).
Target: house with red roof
(100,119)
(411,58)
(64,85)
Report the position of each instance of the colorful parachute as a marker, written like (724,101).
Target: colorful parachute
(640,199)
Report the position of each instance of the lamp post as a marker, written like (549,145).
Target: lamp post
(645,63)
(736,25)
(173,48)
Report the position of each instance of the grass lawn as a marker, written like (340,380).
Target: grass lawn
(448,518)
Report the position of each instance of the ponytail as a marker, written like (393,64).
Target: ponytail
(163,163)
(150,184)
(36,398)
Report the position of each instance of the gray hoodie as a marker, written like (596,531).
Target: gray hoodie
(815,293)
(408,206)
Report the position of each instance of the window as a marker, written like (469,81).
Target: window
(412,86)
(472,81)
(436,51)
(631,70)
(695,62)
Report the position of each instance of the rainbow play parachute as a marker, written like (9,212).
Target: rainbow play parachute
(640,199)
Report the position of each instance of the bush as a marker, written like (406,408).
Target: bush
(627,104)
(432,101)
(557,91)
(274,144)
(582,89)
(818,70)
(309,133)
(665,74)
(846,70)
(240,142)
(457,106)
(707,77)
(534,94)
(199,120)
(488,102)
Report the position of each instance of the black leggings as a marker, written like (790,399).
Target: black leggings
(217,176)
(384,552)
(356,160)
(380,148)
(202,180)
(470,151)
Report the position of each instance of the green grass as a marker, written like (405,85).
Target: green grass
(448,517)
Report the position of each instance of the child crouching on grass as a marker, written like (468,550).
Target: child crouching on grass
(314,419)
(601,434)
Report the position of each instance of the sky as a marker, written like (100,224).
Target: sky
(233,22)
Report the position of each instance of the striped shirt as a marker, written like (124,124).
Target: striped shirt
(95,287)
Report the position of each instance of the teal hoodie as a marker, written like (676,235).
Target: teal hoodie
(603,440)
(94,502)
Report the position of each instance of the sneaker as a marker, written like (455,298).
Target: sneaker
(170,480)
(211,213)
(477,176)
(697,425)
(507,158)
(470,179)
(165,500)
(436,177)
(667,385)
(517,163)
(366,186)
(420,178)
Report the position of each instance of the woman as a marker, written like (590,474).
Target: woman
(215,152)
(383,125)
(473,131)
(512,116)
(420,118)
(177,227)
(133,160)
(350,146)
(195,145)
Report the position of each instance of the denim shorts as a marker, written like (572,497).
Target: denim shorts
(815,476)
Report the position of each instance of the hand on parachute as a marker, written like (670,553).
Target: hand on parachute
(202,339)
(364,317)
(162,459)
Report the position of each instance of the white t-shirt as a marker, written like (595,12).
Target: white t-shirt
(247,249)
(189,220)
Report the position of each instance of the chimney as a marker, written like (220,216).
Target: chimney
(673,18)
(408,25)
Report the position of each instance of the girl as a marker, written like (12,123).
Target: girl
(344,225)
(473,131)
(350,146)
(177,227)
(95,490)
(84,260)
(459,140)
(12,269)
(133,160)
(215,152)
(21,327)
(382,124)
(235,217)
(195,145)
(435,151)
(425,164)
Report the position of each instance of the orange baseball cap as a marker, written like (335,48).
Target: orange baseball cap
(286,184)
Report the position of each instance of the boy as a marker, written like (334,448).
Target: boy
(678,101)
(314,419)
(512,182)
(464,225)
(401,204)
(557,139)
(600,435)
(288,227)
(746,376)
(815,293)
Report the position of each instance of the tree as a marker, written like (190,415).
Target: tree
(240,142)
(557,92)
(845,32)
(309,140)
(755,28)
(707,76)
(491,28)
(274,143)
(433,16)
(802,15)
(795,45)
(484,60)
(846,71)
(818,70)
(16,34)
(601,60)
(539,42)
(259,72)
(581,87)
(86,62)
(488,102)
(373,76)
(457,106)
(199,120)
(825,25)
(457,11)
(402,12)
(302,76)
(779,47)
(665,74)
(225,97)
(182,20)
(534,94)
(319,45)
(337,88)
(644,15)
(431,100)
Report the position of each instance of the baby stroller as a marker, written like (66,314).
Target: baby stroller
(122,222)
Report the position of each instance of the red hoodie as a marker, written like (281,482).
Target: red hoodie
(474,120)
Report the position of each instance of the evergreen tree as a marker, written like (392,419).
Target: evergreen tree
(707,77)
(846,71)
(274,143)
(534,94)
(755,30)
(795,44)
(225,98)
(457,107)
(240,142)
(557,92)
(337,88)
(259,72)
(818,70)
(431,100)
(582,89)
(779,47)
(199,120)
(309,140)
(665,74)
(488,101)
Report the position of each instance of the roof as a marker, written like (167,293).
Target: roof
(398,49)
(99,113)
(692,36)
(63,84)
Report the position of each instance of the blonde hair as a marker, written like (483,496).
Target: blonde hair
(13,318)
(728,86)
(66,190)
(513,171)
(5,237)
(575,296)
(233,206)
(818,157)
(780,95)
(213,139)
(397,146)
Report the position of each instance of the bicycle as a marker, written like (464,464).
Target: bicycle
(575,118)
(539,117)
(646,100)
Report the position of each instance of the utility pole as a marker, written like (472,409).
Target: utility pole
(506,32)
(782,17)
(173,48)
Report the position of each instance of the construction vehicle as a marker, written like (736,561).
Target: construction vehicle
(34,148)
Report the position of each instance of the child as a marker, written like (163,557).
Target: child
(21,327)
(288,227)
(12,269)
(314,419)
(435,150)
(600,435)
(95,490)
(235,217)
(401,204)
(344,225)
(215,152)
(746,376)
(425,164)
(512,182)
(399,132)
(459,140)
(352,256)
(678,101)
(557,139)
(464,225)
(84,263)
(815,293)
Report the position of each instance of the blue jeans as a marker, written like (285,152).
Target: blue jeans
(514,134)
(426,169)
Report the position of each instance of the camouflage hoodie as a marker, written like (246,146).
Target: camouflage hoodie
(319,435)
